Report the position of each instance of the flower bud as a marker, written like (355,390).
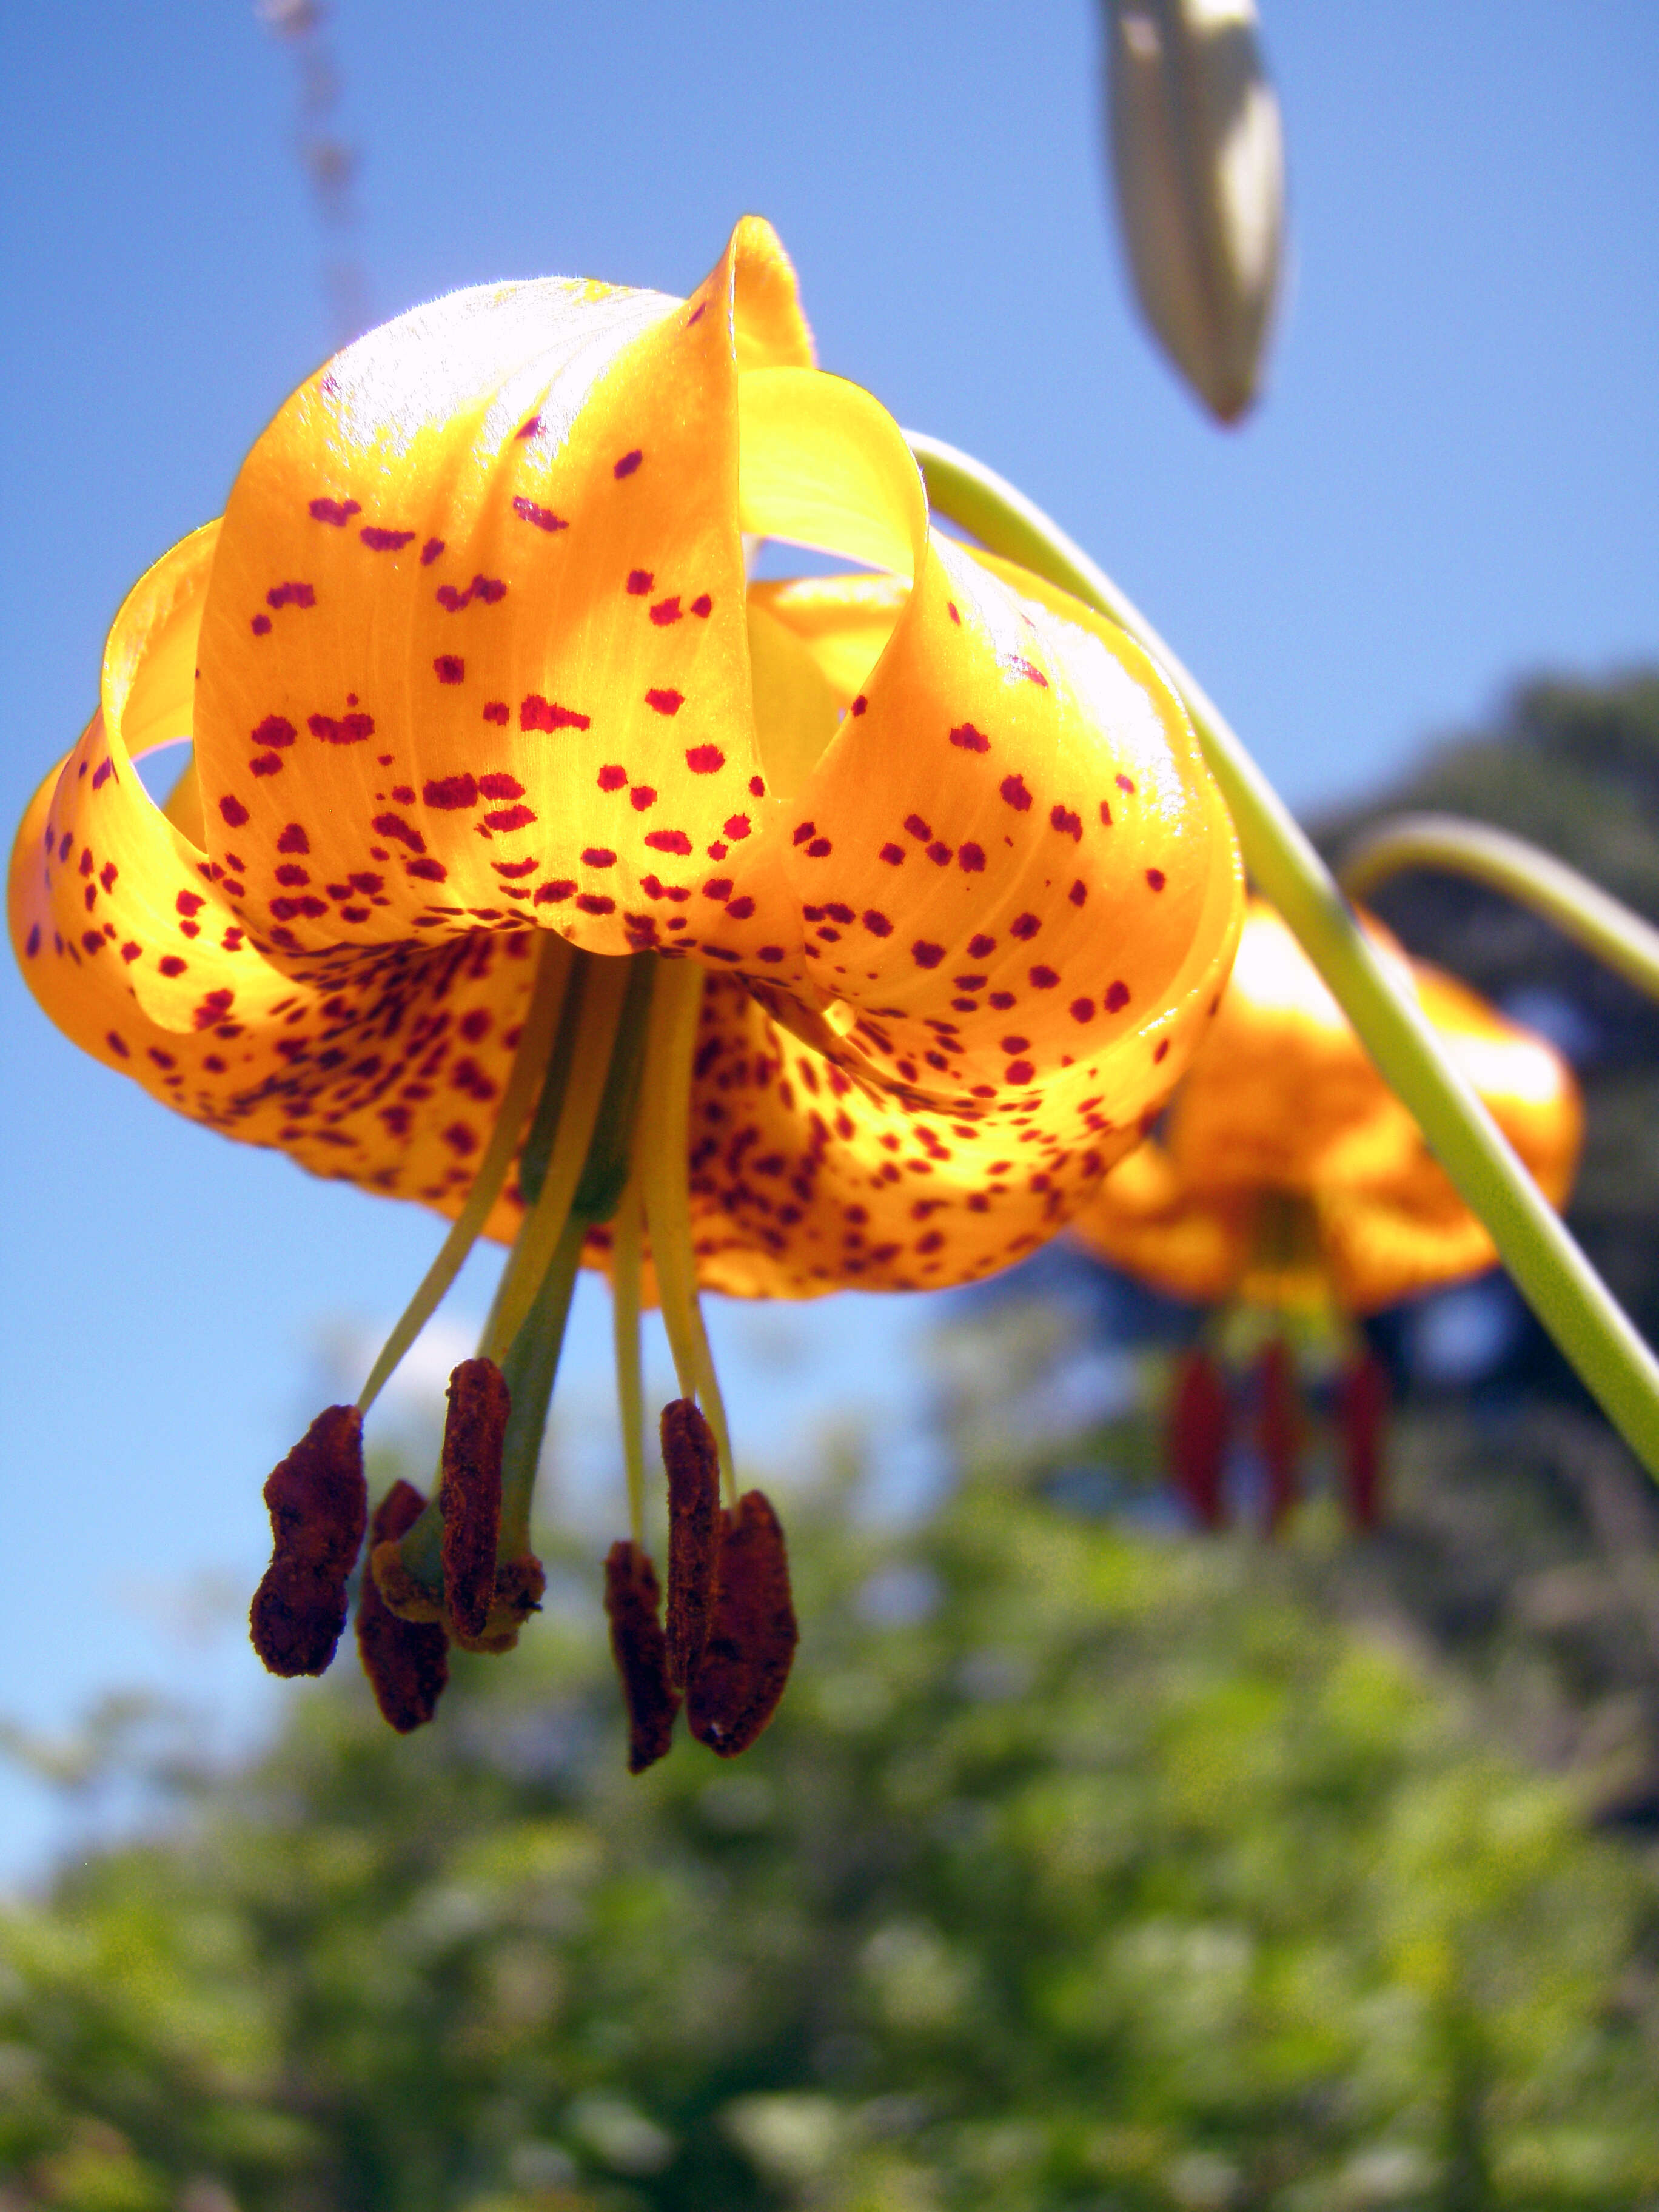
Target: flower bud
(1198,155)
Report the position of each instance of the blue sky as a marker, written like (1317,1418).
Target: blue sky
(1454,479)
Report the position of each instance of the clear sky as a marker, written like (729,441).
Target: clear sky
(1454,479)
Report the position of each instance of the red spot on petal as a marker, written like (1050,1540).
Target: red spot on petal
(499,785)
(612,777)
(665,701)
(1043,979)
(736,827)
(1155,877)
(704,760)
(1023,926)
(1068,824)
(510,818)
(384,541)
(450,792)
(628,462)
(598,856)
(260,625)
(553,893)
(926,955)
(428,870)
(449,668)
(1117,997)
(640,797)
(536,713)
(640,581)
(878,926)
(233,811)
(393,825)
(338,512)
(171,965)
(666,612)
(1014,791)
(893,854)
(1124,782)
(970,739)
(592,902)
(341,729)
(981,948)
(430,551)
(1078,893)
(495,710)
(542,518)
(668,841)
(1018,1070)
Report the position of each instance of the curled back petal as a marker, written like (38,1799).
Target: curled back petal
(381,1065)
(477,620)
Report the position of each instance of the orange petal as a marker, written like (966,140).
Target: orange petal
(476,623)
(802,1182)
(378,1065)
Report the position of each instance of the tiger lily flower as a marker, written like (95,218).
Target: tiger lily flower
(1291,1184)
(534,863)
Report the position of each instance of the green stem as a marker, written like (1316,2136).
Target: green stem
(1580,909)
(1552,1274)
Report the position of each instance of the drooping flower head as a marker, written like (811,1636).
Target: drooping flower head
(533,863)
(1288,1176)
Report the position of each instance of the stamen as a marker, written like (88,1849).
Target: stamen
(625,1268)
(752,1638)
(318,1505)
(1362,1406)
(1199,1425)
(641,1651)
(470,1495)
(529,1065)
(407,1664)
(664,1142)
(1279,1432)
(693,1532)
(602,989)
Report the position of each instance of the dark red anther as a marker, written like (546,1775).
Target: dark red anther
(692,1460)
(1279,1432)
(1196,1438)
(407,1662)
(1362,1414)
(641,1651)
(470,1492)
(318,1505)
(735,1689)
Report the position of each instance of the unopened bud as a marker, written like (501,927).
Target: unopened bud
(1198,157)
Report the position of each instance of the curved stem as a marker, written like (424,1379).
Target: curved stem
(1580,909)
(1551,1271)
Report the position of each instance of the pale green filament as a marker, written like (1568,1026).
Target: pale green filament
(540,1023)
(529,1369)
(604,986)
(625,1330)
(660,1161)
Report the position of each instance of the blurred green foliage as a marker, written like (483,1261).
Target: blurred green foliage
(1079,1870)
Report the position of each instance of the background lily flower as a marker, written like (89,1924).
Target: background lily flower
(1290,1179)
(496,755)
(1283,1104)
